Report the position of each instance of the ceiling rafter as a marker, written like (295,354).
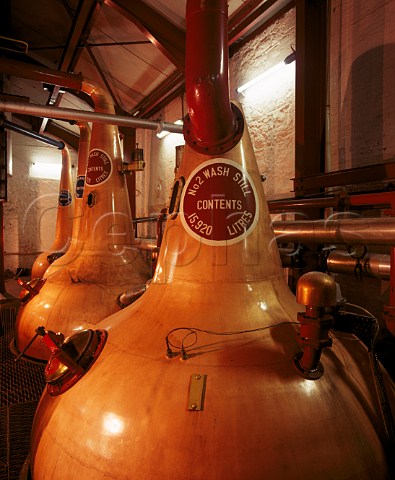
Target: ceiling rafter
(250,14)
(162,33)
(118,107)
(70,53)
(243,24)
(78,28)
(167,90)
(168,38)
(263,25)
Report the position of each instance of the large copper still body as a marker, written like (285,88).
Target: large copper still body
(64,219)
(196,379)
(102,262)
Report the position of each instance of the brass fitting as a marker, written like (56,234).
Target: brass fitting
(316,291)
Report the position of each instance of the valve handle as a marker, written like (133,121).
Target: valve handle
(25,285)
(39,331)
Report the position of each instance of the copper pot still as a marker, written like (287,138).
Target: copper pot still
(77,237)
(82,287)
(197,377)
(64,220)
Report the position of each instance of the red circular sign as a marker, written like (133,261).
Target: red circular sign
(99,167)
(219,204)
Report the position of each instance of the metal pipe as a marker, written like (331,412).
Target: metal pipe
(130,296)
(365,231)
(213,124)
(29,133)
(291,203)
(98,117)
(373,264)
(22,253)
(74,82)
(380,200)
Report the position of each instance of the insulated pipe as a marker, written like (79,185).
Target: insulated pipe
(81,115)
(373,264)
(372,231)
(29,133)
(213,125)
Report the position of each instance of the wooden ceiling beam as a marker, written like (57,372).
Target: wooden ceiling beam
(238,29)
(71,52)
(166,36)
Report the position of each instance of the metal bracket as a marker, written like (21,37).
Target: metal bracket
(128,168)
(197,390)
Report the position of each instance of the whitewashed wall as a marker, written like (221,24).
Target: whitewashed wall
(155,182)
(30,212)
(269,106)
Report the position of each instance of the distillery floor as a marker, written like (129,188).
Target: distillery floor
(21,385)
(22,382)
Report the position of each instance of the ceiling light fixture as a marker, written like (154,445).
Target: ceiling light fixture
(287,60)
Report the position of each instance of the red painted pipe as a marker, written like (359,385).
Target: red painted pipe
(389,310)
(213,124)
(380,198)
(392,280)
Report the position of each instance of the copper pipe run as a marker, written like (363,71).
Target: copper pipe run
(213,125)
(130,296)
(372,231)
(81,115)
(298,203)
(362,231)
(372,264)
